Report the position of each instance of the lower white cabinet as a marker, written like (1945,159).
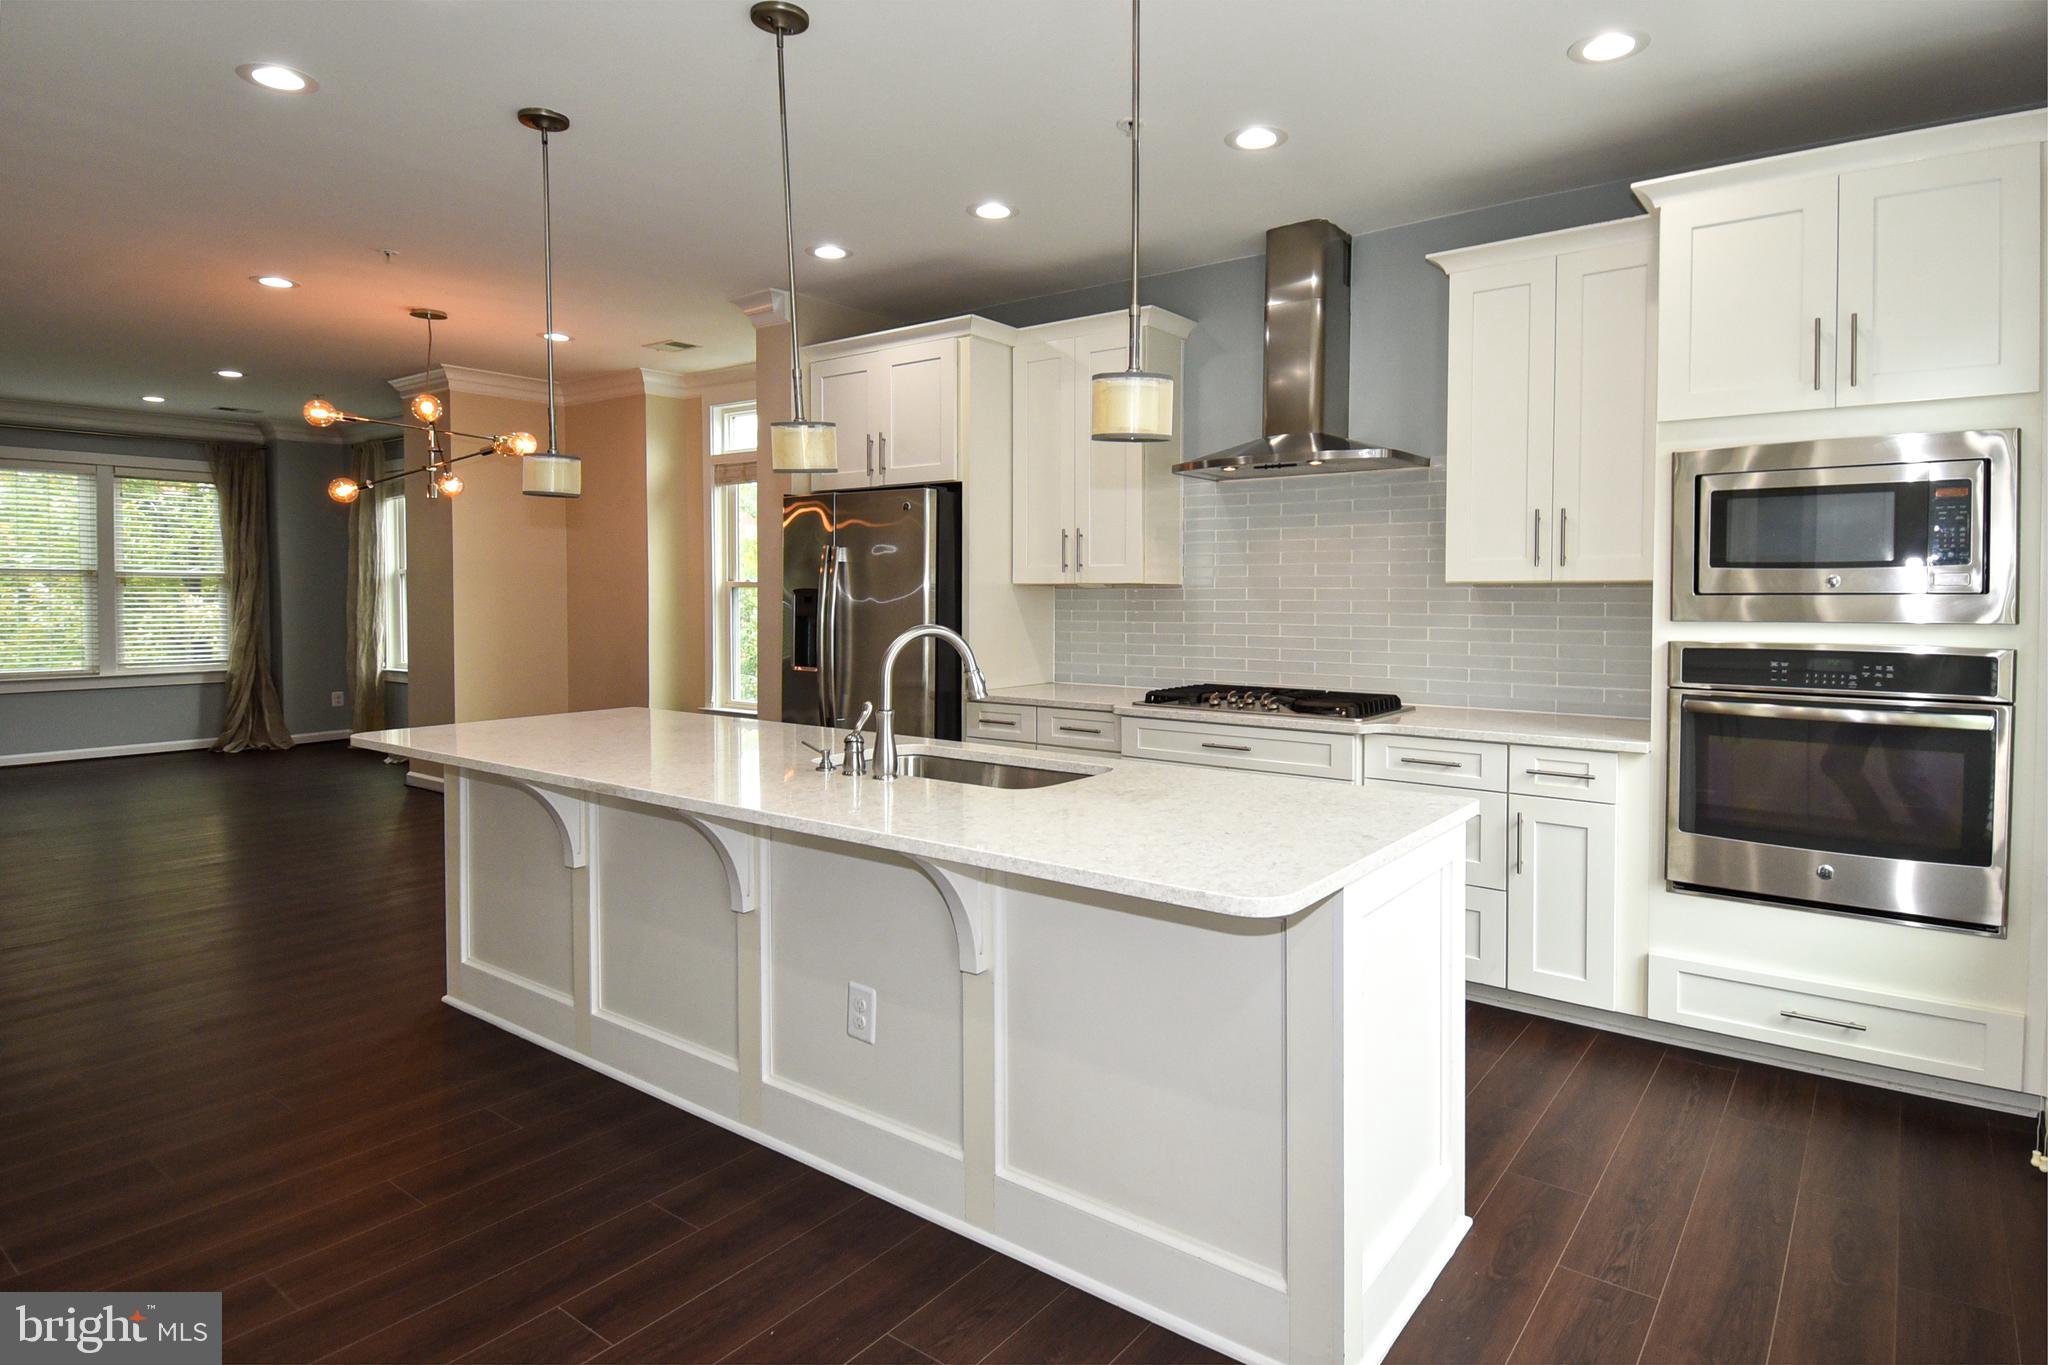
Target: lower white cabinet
(1486,936)
(1019,725)
(1296,753)
(1561,899)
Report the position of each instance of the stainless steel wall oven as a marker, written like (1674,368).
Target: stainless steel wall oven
(1865,780)
(1888,528)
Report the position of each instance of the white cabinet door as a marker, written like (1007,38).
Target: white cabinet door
(1746,300)
(843,392)
(918,436)
(1486,936)
(1042,439)
(1561,899)
(1502,368)
(1940,278)
(1109,478)
(1605,432)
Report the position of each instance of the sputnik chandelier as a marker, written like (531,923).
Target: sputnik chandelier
(543,473)
(442,480)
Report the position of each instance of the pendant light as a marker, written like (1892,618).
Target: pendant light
(442,480)
(797,446)
(548,473)
(1133,404)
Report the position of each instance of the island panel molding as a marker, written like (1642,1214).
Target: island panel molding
(1245,1127)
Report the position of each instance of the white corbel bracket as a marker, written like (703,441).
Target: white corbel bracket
(737,848)
(571,817)
(970,898)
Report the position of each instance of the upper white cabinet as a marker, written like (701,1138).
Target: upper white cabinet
(896,398)
(1088,511)
(1549,428)
(1903,268)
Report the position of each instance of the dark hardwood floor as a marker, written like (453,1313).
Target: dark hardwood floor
(224,1064)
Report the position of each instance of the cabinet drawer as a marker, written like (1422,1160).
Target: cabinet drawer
(1486,838)
(997,720)
(1468,764)
(1486,936)
(1078,729)
(1580,774)
(1297,753)
(1914,1034)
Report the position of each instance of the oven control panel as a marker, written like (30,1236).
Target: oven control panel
(1973,674)
(1948,524)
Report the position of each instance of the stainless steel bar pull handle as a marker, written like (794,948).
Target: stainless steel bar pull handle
(1536,539)
(1227,748)
(1432,762)
(1816,355)
(871,454)
(999,720)
(1067,728)
(1080,562)
(1816,1019)
(1063,549)
(1519,817)
(884,439)
(1562,513)
(1551,772)
(1852,350)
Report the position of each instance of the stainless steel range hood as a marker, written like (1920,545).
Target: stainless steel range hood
(1308,367)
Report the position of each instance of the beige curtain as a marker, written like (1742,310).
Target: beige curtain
(253,717)
(366,624)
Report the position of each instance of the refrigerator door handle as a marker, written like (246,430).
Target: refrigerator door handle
(828,633)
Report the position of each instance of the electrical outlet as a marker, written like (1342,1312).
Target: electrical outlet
(860,1012)
(336,699)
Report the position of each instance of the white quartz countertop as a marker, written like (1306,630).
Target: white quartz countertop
(1228,842)
(1611,734)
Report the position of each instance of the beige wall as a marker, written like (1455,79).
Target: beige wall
(429,606)
(678,553)
(510,575)
(608,549)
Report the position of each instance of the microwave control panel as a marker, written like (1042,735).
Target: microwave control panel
(1948,524)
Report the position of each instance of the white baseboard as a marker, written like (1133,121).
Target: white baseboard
(1721,1045)
(424,782)
(164,746)
(320,736)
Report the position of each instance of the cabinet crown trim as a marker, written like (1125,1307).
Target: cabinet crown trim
(1158,319)
(1563,240)
(968,325)
(2002,130)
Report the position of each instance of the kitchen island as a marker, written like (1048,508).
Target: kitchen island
(1190,1040)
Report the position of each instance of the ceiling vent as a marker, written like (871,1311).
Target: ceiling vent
(671,346)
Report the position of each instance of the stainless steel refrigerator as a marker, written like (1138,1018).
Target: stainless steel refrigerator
(859,569)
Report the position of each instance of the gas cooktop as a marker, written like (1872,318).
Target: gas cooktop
(1296,701)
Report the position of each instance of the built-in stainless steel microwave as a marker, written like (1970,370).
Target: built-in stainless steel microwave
(1908,528)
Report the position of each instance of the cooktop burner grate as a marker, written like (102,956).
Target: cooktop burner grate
(1298,701)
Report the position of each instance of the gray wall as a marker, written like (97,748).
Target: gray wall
(1337,580)
(309,546)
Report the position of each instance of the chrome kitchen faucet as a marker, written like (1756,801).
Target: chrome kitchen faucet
(885,719)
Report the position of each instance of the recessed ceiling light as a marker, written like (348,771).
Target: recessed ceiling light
(1610,46)
(275,282)
(229,374)
(828,251)
(1257,138)
(153,398)
(993,210)
(282,79)
(554,336)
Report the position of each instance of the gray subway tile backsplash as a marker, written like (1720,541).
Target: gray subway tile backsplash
(1337,581)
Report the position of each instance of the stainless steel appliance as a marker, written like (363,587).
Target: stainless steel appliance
(859,569)
(1885,528)
(1295,701)
(1308,367)
(1867,780)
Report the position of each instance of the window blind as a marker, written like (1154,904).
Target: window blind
(167,560)
(49,561)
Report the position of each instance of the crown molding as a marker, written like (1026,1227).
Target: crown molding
(482,383)
(765,307)
(666,384)
(81,417)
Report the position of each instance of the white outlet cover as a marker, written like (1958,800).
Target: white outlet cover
(860,1012)
(336,699)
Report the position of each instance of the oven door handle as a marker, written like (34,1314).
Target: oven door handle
(1849,715)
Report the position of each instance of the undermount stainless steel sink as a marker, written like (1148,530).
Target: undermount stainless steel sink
(978,772)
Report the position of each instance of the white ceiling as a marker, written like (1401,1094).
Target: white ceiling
(142,183)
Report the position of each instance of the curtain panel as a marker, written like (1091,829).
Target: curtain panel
(366,625)
(253,717)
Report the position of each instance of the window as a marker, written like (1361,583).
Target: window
(391,579)
(735,558)
(107,570)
